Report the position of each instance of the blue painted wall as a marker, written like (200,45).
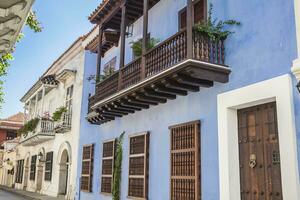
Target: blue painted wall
(262,48)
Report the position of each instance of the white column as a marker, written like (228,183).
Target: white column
(296,63)
(35,106)
(43,95)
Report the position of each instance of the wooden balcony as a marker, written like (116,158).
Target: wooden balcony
(168,72)
(44,132)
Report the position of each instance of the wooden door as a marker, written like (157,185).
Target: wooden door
(260,175)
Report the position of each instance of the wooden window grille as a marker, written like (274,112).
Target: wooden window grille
(199,14)
(48,166)
(185,161)
(87,168)
(32,168)
(107,166)
(19,173)
(138,166)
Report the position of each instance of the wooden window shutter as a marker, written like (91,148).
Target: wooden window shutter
(48,167)
(185,161)
(19,174)
(138,166)
(33,168)
(107,166)
(199,14)
(87,168)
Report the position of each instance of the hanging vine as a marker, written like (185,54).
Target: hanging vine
(118,169)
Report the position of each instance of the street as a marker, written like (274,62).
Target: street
(8,196)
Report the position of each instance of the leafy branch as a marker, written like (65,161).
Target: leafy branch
(137,46)
(118,169)
(215,29)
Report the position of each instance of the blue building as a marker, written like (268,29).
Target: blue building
(203,118)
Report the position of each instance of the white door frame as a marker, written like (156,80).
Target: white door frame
(277,89)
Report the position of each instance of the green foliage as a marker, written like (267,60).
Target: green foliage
(116,190)
(102,77)
(214,28)
(58,113)
(33,23)
(137,46)
(29,126)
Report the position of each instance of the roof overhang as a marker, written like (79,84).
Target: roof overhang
(13,14)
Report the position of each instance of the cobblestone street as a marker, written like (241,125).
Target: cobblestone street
(8,196)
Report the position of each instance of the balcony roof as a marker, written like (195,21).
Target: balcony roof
(109,12)
(13,14)
(110,38)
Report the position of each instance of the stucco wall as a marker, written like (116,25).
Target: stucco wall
(66,141)
(262,48)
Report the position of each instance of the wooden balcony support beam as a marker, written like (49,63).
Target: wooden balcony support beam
(143,97)
(120,106)
(133,105)
(182,78)
(152,93)
(163,89)
(189,26)
(181,86)
(98,73)
(139,101)
(145,38)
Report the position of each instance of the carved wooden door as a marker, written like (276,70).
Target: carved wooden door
(260,175)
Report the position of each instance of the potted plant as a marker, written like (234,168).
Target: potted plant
(137,46)
(215,29)
(29,126)
(58,113)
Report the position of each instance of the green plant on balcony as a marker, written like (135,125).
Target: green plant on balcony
(58,113)
(118,169)
(215,29)
(97,79)
(137,46)
(29,126)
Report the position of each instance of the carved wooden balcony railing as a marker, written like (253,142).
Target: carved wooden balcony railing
(204,67)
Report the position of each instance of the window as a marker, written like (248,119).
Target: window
(19,174)
(33,168)
(185,161)
(69,97)
(110,67)
(138,166)
(87,168)
(11,135)
(199,13)
(107,166)
(48,167)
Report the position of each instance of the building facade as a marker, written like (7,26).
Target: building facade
(216,119)
(46,160)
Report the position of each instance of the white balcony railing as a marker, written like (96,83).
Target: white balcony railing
(43,132)
(65,124)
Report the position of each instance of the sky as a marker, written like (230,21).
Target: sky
(63,22)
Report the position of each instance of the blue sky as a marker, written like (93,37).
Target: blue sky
(63,21)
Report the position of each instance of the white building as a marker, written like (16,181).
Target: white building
(47,157)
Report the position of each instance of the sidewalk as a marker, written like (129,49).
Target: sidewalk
(28,195)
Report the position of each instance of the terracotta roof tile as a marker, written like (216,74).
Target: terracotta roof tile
(19,117)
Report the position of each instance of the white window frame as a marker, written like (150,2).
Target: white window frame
(277,89)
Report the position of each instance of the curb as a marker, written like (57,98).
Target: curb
(10,190)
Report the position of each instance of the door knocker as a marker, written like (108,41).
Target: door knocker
(252,162)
